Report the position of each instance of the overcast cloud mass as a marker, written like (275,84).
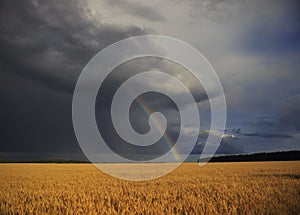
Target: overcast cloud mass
(254,46)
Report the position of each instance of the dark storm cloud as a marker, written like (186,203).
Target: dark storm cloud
(44,46)
(51,41)
(137,9)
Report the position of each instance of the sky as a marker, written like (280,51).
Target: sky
(254,47)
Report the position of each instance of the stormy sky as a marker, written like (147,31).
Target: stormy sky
(254,47)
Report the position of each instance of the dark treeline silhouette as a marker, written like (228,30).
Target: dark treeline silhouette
(43,161)
(264,156)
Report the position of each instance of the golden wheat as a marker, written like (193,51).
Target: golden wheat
(217,188)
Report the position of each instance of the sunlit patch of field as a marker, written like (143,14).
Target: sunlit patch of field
(216,188)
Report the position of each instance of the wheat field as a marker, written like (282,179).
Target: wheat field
(216,188)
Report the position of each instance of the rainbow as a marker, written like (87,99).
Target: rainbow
(166,137)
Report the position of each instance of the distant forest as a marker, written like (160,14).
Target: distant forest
(264,156)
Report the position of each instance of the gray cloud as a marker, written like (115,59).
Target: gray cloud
(137,9)
(217,11)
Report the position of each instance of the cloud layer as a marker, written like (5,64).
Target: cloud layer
(253,46)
